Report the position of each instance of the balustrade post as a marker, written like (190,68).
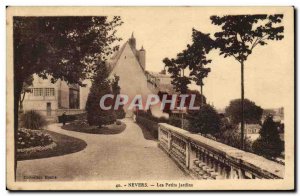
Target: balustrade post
(187,154)
(241,174)
(169,140)
(159,134)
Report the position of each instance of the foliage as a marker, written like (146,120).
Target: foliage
(232,137)
(118,122)
(194,58)
(27,138)
(175,121)
(32,120)
(176,69)
(150,125)
(116,89)
(100,87)
(269,143)
(25,89)
(206,121)
(252,112)
(83,126)
(148,115)
(71,45)
(68,48)
(197,57)
(242,33)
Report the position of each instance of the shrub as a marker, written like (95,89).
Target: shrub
(206,121)
(252,112)
(269,143)
(32,120)
(27,138)
(100,87)
(120,113)
(150,125)
(232,137)
(175,121)
(118,122)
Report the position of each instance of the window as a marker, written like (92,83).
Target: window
(49,92)
(38,91)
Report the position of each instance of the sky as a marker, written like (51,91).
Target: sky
(166,32)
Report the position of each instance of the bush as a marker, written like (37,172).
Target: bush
(252,112)
(120,113)
(232,137)
(206,121)
(27,138)
(32,120)
(118,122)
(269,143)
(150,125)
(68,118)
(148,115)
(100,87)
(175,121)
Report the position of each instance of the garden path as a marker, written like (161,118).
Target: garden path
(124,156)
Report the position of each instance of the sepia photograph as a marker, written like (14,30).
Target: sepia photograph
(150,98)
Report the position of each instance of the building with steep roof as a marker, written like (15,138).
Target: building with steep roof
(129,63)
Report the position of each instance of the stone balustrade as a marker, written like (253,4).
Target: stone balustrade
(206,159)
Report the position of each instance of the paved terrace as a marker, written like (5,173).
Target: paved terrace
(124,156)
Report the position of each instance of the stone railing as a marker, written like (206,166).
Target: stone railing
(203,158)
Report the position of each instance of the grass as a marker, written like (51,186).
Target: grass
(85,128)
(64,145)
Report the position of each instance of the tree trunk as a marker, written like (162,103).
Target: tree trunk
(242,104)
(22,97)
(17,97)
(201,95)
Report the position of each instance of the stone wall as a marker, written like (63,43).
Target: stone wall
(204,158)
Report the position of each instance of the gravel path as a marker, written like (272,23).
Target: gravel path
(124,156)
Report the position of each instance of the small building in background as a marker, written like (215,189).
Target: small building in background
(52,99)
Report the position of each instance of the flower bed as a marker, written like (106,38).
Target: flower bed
(37,148)
(83,127)
(33,139)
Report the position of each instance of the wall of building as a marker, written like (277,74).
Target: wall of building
(132,77)
(59,101)
(84,92)
(40,102)
(64,95)
(142,58)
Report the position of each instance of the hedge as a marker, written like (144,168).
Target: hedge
(150,125)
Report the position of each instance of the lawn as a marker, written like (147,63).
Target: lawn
(64,145)
(83,127)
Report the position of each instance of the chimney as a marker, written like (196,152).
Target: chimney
(142,58)
(132,42)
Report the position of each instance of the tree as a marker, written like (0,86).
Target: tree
(25,89)
(252,112)
(116,89)
(64,48)
(240,35)
(269,143)
(206,121)
(197,60)
(100,87)
(176,69)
